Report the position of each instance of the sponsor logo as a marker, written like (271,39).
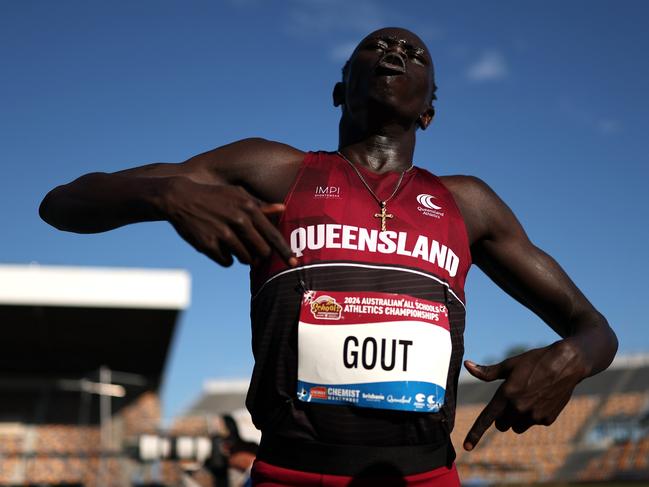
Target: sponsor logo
(419,400)
(400,400)
(342,394)
(319,392)
(432,404)
(326,308)
(427,201)
(428,401)
(370,396)
(327,192)
(427,207)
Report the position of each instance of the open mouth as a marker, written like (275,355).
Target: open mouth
(391,64)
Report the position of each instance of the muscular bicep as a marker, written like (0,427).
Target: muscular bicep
(502,249)
(265,168)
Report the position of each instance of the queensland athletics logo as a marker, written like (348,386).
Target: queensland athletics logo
(427,207)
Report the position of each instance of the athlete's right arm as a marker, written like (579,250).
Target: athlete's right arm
(218,201)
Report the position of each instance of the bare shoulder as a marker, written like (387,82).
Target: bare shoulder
(264,167)
(466,188)
(236,160)
(253,148)
(484,212)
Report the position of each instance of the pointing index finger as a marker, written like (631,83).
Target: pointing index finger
(485,419)
(272,234)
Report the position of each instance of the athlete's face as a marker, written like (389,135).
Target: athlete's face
(390,67)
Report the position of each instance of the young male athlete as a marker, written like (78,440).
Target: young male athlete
(358,265)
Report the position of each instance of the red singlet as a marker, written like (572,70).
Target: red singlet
(330,222)
(266,475)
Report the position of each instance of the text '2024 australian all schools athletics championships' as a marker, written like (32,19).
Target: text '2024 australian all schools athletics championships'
(373,350)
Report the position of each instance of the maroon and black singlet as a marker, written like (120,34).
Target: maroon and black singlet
(354,276)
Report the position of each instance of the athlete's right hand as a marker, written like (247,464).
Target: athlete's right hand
(224,221)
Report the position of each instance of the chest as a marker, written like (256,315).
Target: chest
(334,214)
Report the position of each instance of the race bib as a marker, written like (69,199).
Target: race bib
(373,350)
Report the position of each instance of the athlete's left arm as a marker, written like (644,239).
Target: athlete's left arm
(537,384)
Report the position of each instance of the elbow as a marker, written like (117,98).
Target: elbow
(614,343)
(45,210)
(596,339)
(607,339)
(51,209)
(610,341)
(611,336)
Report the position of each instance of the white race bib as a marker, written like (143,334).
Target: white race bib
(374,350)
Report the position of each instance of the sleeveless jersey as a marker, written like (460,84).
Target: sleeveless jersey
(330,224)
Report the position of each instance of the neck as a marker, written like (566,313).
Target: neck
(389,148)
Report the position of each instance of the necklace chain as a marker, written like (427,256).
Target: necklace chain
(360,176)
(383,204)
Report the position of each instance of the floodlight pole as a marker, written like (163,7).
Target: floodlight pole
(104,422)
(105,408)
(106,390)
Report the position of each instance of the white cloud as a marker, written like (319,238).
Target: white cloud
(327,16)
(606,125)
(490,67)
(609,126)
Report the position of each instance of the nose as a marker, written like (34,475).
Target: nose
(397,52)
(399,47)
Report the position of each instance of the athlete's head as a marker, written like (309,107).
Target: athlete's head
(389,72)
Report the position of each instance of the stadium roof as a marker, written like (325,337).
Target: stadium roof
(93,287)
(66,322)
(221,397)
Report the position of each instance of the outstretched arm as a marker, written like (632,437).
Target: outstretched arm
(218,201)
(537,384)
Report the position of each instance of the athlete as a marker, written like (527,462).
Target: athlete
(358,261)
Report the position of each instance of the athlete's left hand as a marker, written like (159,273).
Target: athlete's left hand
(537,386)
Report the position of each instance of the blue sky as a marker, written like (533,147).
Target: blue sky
(546,101)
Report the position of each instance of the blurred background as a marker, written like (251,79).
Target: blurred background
(116,346)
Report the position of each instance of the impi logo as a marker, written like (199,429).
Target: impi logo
(327,192)
(427,207)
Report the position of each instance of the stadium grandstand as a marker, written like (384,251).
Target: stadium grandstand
(602,436)
(83,356)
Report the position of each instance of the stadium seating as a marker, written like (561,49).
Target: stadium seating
(624,404)
(53,439)
(142,416)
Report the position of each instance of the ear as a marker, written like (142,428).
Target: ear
(339,94)
(426,117)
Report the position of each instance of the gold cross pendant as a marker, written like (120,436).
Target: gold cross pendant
(383,215)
